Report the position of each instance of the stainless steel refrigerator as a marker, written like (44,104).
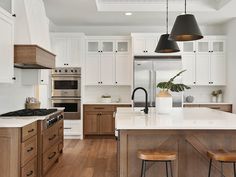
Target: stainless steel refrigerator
(149,71)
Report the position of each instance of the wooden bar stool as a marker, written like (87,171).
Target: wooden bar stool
(156,156)
(222,156)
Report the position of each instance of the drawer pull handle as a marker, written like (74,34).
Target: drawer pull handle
(215,107)
(54,136)
(98,108)
(50,157)
(30,173)
(67,128)
(31,149)
(29,131)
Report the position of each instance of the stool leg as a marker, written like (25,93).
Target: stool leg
(167,169)
(171,172)
(143,168)
(209,172)
(234,170)
(222,169)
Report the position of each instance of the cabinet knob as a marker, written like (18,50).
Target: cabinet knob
(116,51)
(14,15)
(14,78)
(116,82)
(194,82)
(41,80)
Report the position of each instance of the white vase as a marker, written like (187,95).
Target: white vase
(213,99)
(164,102)
(220,98)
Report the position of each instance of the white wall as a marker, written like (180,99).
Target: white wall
(94,93)
(127,30)
(12,96)
(231,62)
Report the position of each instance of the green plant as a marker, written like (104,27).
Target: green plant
(214,93)
(166,86)
(219,92)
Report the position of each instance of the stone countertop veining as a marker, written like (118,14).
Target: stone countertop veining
(18,122)
(178,119)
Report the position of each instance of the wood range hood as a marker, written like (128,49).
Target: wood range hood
(33,57)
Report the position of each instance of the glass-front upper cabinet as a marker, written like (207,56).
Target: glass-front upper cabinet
(107,46)
(203,46)
(189,47)
(93,46)
(122,46)
(7,5)
(218,46)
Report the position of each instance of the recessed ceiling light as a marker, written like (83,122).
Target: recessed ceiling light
(128,13)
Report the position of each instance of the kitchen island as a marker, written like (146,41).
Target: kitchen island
(191,132)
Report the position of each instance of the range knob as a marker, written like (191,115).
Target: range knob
(76,71)
(55,71)
(59,71)
(72,71)
(66,70)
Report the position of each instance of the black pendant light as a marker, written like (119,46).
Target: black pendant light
(165,45)
(185,28)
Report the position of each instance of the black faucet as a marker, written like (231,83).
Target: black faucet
(146,98)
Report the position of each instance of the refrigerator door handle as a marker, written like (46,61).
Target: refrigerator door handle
(150,88)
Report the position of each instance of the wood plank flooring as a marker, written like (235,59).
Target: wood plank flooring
(87,158)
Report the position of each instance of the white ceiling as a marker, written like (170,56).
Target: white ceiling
(145,12)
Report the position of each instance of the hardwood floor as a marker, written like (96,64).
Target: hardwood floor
(87,158)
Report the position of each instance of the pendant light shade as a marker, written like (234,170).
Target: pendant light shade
(185,28)
(164,44)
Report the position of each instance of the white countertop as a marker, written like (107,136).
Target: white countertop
(210,103)
(18,122)
(100,103)
(178,119)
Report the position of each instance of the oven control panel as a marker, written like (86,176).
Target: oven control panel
(66,71)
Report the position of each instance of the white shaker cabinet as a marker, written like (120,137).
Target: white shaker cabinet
(6,48)
(144,46)
(108,61)
(35,76)
(68,49)
(189,76)
(202,69)
(123,69)
(218,69)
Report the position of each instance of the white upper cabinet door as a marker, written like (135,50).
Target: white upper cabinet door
(107,68)
(74,52)
(60,49)
(44,76)
(203,69)
(122,47)
(189,76)
(92,69)
(189,47)
(107,46)
(6,49)
(151,45)
(218,46)
(218,69)
(203,46)
(139,46)
(93,46)
(123,69)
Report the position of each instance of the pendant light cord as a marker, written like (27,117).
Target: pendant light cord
(167,19)
(185,6)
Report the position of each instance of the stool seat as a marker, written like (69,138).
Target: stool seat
(156,155)
(222,155)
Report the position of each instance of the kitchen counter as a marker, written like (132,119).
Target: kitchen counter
(207,103)
(18,122)
(100,103)
(179,118)
(190,132)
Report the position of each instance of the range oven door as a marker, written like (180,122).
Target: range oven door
(66,86)
(72,107)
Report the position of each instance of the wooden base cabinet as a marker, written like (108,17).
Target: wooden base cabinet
(18,151)
(99,120)
(220,107)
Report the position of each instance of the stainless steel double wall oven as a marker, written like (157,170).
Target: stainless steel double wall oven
(66,91)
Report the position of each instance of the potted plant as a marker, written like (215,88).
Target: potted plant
(164,98)
(214,95)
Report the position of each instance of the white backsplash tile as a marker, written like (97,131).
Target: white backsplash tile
(202,94)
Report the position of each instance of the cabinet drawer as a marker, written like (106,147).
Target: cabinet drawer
(99,108)
(50,137)
(30,169)
(28,150)
(60,146)
(28,131)
(50,157)
(61,129)
(225,108)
